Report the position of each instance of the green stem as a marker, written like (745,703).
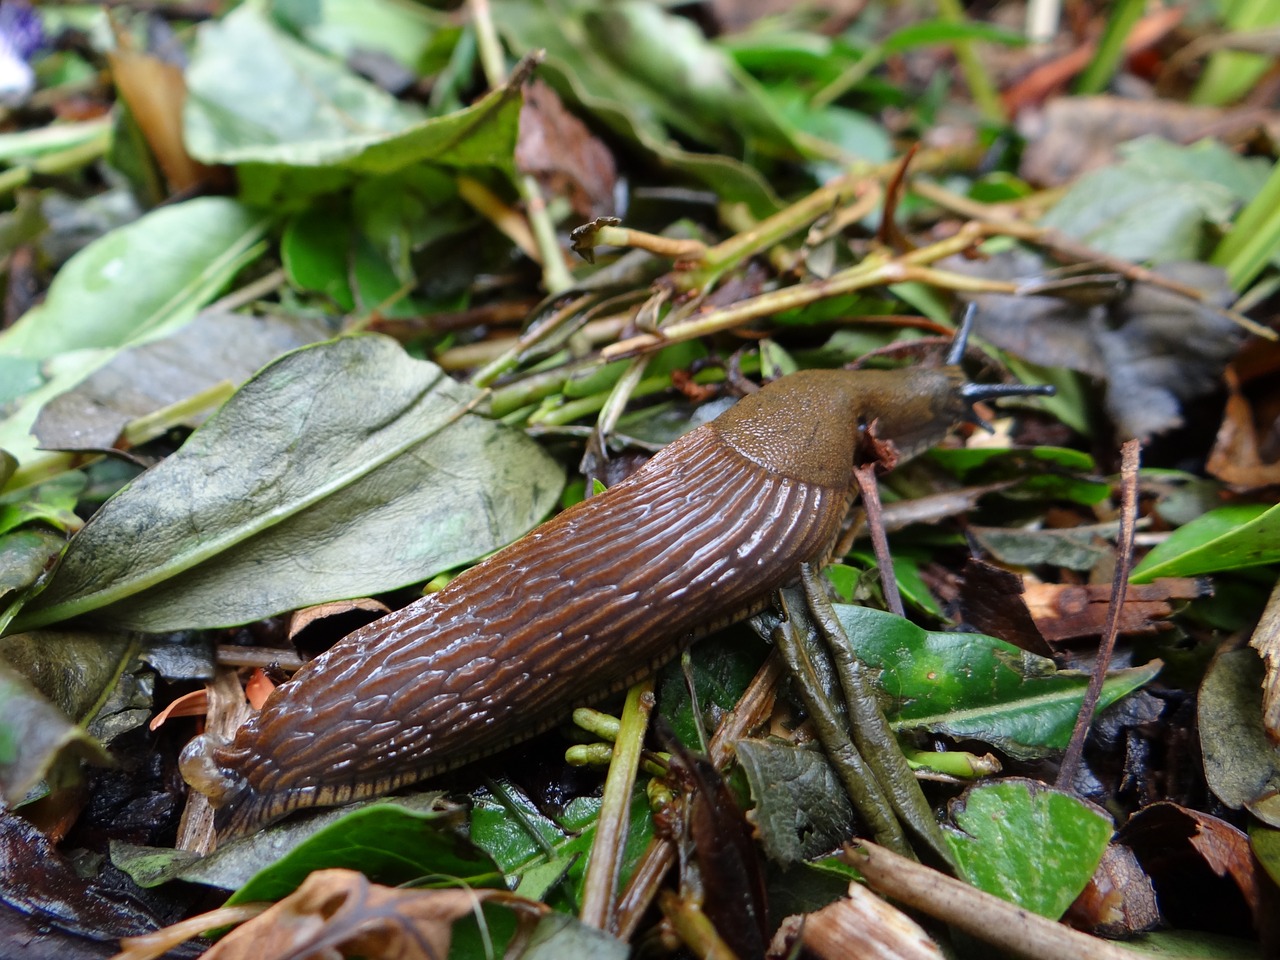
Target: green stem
(605,863)
(1125,15)
(985,96)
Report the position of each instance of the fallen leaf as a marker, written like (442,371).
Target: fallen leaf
(558,149)
(1266,640)
(1202,868)
(154,92)
(1241,764)
(1073,135)
(36,880)
(1119,900)
(1065,611)
(1237,457)
(340,913)
(345,469)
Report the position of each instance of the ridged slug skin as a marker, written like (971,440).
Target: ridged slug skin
(584,605)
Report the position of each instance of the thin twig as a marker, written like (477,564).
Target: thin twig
(865,476)
(1129,460)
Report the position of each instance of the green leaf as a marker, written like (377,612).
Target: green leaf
(51,686)
(341,470)
(300,124)
(1040,472)
(24,555)
(801,809)
(557,855)
(402,31)
(1027,843)
(1241,763)
(934,32)
(1154,206)
(971,686)
(722,669)
(388,843)
(138,282)
(1229,538)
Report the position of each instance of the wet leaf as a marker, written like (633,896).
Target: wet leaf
(1156,204)
(38,881)
(557,856)
(801,810)
(300,124)
(1028,843)
(1229,538)
(1241,764)
(386,842)
(345,469)
(967,685)
(214,348)
(139,281)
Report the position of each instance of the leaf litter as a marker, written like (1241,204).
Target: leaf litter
(371,196)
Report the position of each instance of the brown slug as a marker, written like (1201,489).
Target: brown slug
(585,604)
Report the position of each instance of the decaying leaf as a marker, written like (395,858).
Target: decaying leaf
(557,148)
(1119,900)
(1155,350)
(1241,764)
(1202,868)
(1065,611)
(216,347)
(1244,452)
(345,469)
(340,913)
(1073,135)
(155,91)
(1266,640)
(38,882)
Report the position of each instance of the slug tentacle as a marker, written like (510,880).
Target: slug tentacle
(588,602)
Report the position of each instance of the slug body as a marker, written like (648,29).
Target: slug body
(584,605)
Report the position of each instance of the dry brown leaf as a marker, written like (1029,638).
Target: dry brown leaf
(1067,611)
(1237,457)
(339,913)
(1202,868)
(1119,900)
(155,92)
(558,149)
(1266,640)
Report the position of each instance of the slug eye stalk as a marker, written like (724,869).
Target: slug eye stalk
(975,392)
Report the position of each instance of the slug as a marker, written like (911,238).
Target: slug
(584,605)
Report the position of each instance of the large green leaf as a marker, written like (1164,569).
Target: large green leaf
(136,283)
(1229,538)
(299,123)
(1028,843)
(971,686)
(342,469)
(1155,204)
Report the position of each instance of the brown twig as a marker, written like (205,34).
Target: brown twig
(865,476)
(1130,458)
